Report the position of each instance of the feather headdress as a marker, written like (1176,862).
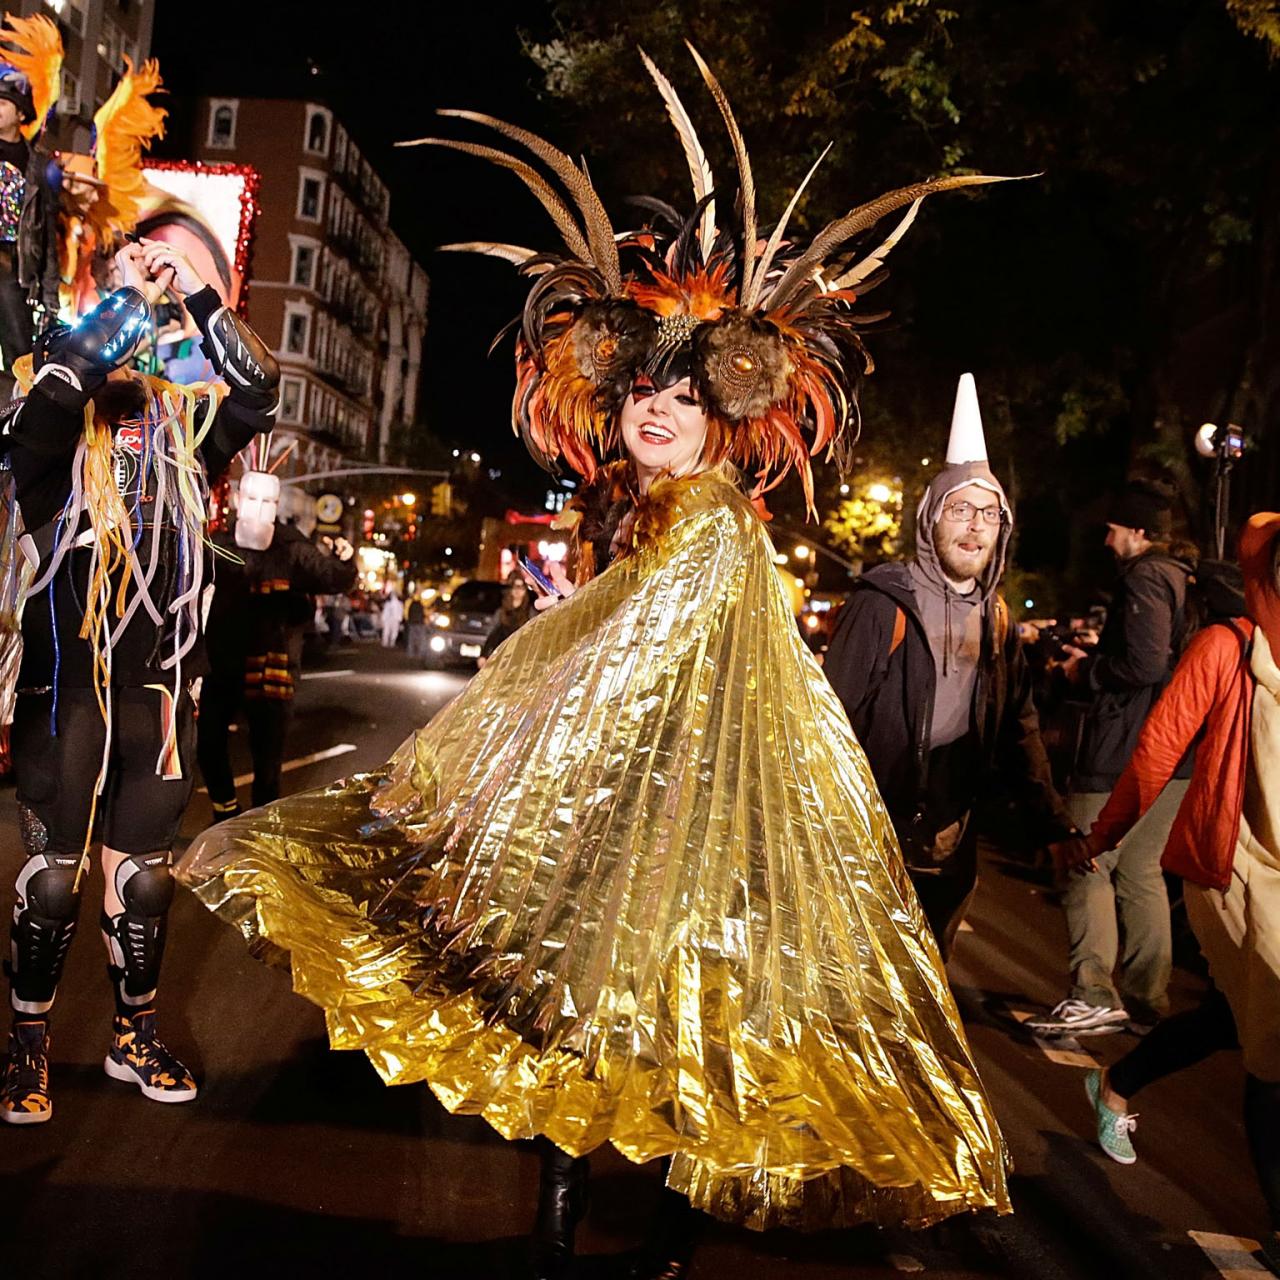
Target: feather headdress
(33,48)
(768,334)
(124,126)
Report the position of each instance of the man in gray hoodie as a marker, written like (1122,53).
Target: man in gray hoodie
(931,672)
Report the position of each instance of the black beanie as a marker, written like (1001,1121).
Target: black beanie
(1139,506)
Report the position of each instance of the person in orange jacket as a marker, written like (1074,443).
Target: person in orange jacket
(1225,844)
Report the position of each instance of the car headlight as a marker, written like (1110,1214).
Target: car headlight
(441,620)
(437,644)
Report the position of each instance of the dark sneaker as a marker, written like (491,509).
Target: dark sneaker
(138,1056)
(24,1095)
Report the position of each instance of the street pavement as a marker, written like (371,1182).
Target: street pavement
(295,1159)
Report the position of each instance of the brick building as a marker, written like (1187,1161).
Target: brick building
(332,289)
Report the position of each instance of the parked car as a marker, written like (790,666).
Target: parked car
(458,628)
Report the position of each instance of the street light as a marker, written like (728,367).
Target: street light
(880,493)
(801,552)
(408,499)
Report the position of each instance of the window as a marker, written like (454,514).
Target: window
(70,11)
(339,147)
(317,140)
(291,390)
(111,46)
(304,264)
(310,196)
(222,123)
(69,103)
(297,329)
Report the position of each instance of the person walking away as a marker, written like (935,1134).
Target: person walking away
(1144,634)
(416,624)
(392,616)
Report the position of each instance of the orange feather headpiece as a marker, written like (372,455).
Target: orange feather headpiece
(767,333)
(32,50)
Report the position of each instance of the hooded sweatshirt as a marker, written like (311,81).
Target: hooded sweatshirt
(953,622)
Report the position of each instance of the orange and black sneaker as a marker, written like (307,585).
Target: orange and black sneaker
(24,1094)
(138,1056)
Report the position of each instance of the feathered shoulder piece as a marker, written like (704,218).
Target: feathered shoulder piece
(124,126)
(33,48)
(767,329)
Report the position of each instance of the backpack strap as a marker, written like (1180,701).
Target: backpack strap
(999,622)
(899,630)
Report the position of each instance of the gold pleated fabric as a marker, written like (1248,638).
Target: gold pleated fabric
(635,885)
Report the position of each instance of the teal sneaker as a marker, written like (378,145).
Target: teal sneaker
(1114,1127)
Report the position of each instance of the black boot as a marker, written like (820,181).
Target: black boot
(673,1237)
(562,1204)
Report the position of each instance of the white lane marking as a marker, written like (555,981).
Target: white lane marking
(1064,1050)
(1232,1255)
(327,675)
(904,1262)
(301,762)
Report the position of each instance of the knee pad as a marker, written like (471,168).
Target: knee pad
(144,883)
(44,922)
(135,937)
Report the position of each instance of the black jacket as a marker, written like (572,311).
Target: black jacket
(887,692)
(262,601)
(1145,633)
(42,446)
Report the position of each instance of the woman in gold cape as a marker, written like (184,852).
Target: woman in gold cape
(635,884)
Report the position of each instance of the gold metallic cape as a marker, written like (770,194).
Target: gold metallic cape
(635,885)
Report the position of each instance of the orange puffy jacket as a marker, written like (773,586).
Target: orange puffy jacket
(1211,690)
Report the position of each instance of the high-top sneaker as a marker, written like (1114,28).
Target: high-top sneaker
(138,1056)
(24,1094)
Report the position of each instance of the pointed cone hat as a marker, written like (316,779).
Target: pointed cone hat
(967,443)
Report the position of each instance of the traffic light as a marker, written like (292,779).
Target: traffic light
(442,499)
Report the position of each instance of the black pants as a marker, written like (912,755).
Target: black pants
(946,888)
(139,811)
(221,702)
(1188,1038)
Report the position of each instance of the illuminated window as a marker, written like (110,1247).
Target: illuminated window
(304,265)
(297,329)
(291,391)
(317,140)
(222,123)
(310,196)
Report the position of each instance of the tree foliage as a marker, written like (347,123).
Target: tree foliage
(1107,308)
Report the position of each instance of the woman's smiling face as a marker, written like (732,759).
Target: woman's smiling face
(663,431)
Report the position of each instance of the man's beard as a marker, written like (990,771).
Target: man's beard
(947,557)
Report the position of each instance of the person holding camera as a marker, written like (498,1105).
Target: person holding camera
(935,683)
(1145,632)
(112,470)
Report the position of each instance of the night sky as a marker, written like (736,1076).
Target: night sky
(384,77)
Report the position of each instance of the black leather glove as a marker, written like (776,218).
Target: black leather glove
(72,361)
(240,356)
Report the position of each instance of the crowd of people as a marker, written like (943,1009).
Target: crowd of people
(655,877)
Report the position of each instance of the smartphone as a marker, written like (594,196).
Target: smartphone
(537,577)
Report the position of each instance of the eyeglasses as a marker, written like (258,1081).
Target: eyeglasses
(963,512)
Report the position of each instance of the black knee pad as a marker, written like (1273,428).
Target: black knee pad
(135,937)
(144,883)
(48,886)
(44,922)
